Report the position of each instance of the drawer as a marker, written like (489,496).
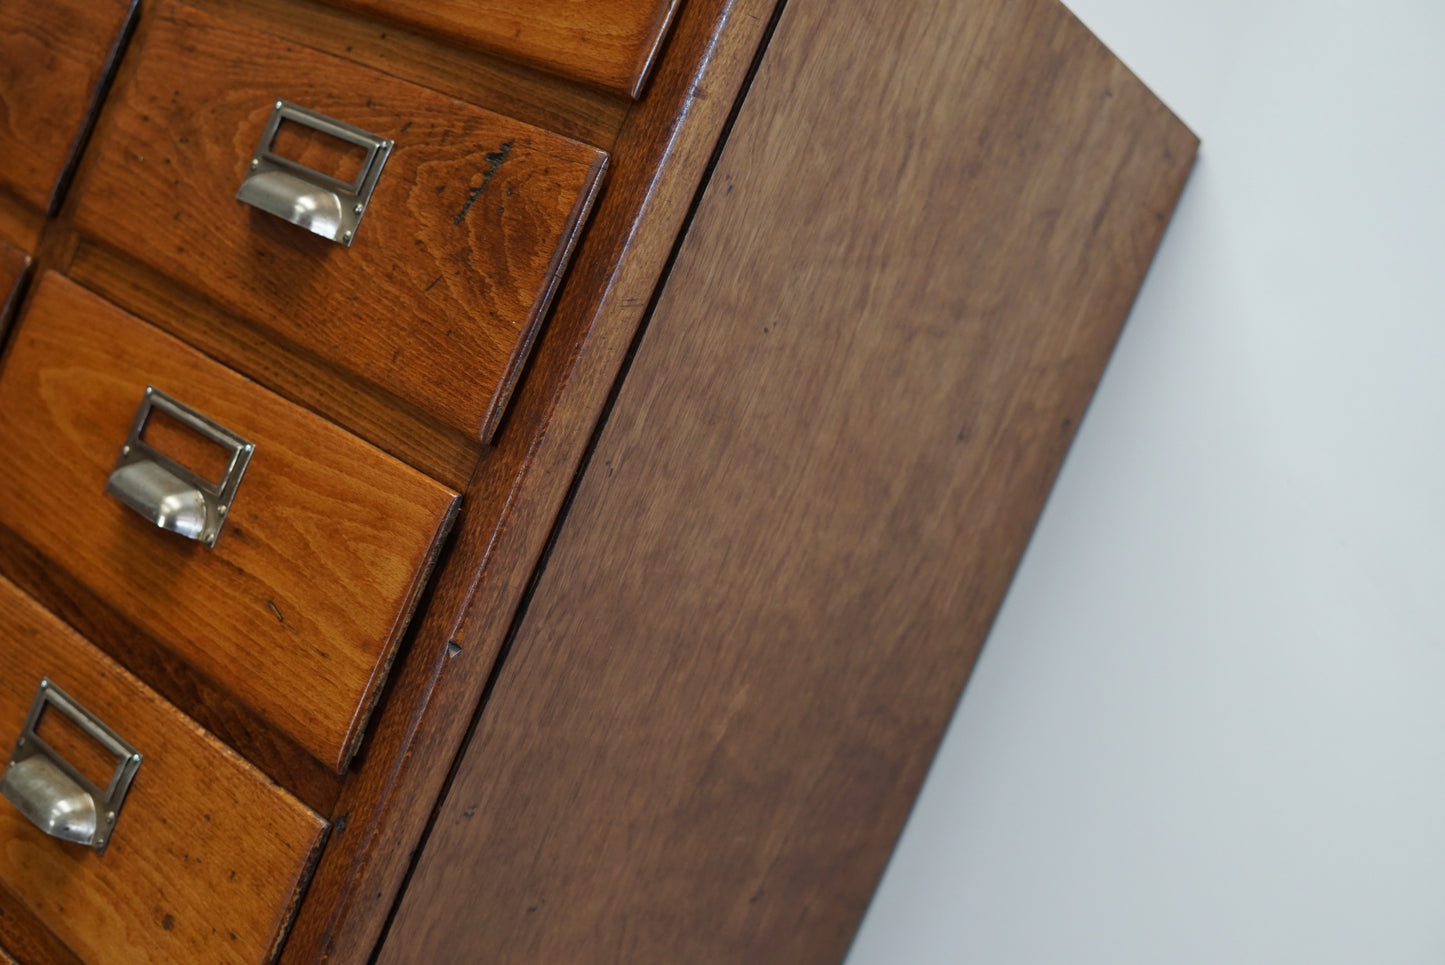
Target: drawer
(206,856)
(14,265)
(604,43)
(298,608)
(54,55)
(437,297)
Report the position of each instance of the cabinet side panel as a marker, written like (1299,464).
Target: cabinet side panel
(900,289)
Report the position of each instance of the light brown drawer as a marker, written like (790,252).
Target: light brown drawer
(54,55)
(298,608)
(14,265)
(437,298)
(206,856)
(605,43)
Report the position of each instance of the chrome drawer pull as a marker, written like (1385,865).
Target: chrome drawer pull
(317,202)
(164,491)
(51,792)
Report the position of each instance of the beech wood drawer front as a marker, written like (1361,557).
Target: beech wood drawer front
(439,295)
(299,607)
(14,264)
(606,43)
(207,855)
(53,57)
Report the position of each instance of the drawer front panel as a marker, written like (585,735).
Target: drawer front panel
(439,294)
(606,43)
(206,856)
(298,608)
(53,56)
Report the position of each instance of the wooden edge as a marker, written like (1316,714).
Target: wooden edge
(377,684)
(97,98)
(663,150)
(497,407)
(298,893)
(10,300)
(661,30)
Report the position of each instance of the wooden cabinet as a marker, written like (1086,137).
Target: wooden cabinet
(530,700)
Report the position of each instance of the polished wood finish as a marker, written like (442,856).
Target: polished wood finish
(609,43)
(543,100)
(54,55)
(207,856)
(437,301)
(818,477)
(299,608)
(660,156)
(14,266)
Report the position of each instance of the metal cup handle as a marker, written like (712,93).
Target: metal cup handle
(51,792)
(165,492)
(305,197)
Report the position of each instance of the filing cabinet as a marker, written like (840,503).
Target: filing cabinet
(324,308)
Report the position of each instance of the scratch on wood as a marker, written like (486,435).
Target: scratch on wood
(275,611)
(494,160)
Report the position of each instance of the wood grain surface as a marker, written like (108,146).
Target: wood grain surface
(207,856)
(14,266)
(898,292)
(439,298)
(544,100)
(27,940)
(53,55)
(660,155)
(299,608)
(609,43)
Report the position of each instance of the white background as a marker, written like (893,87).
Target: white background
(1209,724)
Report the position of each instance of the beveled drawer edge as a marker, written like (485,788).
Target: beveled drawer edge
(97,100)
(577,225)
